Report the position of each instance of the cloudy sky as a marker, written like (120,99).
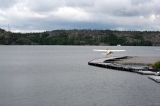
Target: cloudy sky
(40,15)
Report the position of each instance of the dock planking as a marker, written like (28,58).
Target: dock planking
(109,63)
(155,78)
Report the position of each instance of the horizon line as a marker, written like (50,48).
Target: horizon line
(60,29)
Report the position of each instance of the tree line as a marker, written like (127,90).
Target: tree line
(81,37)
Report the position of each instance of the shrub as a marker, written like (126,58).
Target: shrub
(157,65)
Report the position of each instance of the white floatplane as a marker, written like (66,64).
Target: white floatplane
(108,51)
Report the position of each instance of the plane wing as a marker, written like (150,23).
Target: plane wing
(117,50)
(99,50)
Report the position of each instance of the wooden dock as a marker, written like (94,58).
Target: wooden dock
(111,64)
(155,78)
(147,72)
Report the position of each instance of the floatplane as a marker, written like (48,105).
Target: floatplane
(108,51)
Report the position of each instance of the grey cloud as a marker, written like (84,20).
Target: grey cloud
(127,9)
(115,14)
(43,5)
(137,2)
(80,3)
(134,11)
(51,5)
(157,7)
(7,3)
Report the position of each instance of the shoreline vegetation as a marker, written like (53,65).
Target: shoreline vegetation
(156,65)
(82,37)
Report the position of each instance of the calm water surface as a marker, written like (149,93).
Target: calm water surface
(60,76)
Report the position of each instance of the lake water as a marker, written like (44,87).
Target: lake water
(60,76)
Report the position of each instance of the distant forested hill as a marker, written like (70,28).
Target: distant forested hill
(82,37)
